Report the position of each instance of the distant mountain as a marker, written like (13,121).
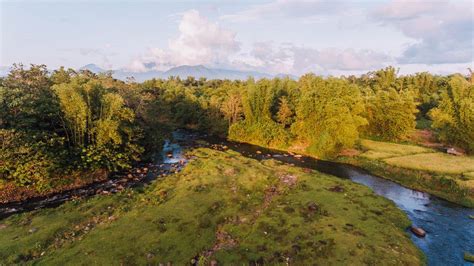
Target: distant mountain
(212,73)
(185,71)
(93,68)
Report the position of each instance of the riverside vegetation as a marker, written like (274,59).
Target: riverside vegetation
(67,128)
(221,207)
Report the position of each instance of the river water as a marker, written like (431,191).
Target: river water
(449,228)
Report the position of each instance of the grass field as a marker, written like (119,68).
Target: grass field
(435,162)
(448,176)
(380,150)
(221,207)
(417,158)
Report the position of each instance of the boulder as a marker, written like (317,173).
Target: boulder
(468,257)
(418,231)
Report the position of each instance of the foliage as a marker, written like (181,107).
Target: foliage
(328,115)
(101,122)
(454,116)
(391,114)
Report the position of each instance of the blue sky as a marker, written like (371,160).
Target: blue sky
(282,36)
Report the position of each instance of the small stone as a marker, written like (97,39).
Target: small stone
(418,231)
(32,230)
(258,152)
(130,176)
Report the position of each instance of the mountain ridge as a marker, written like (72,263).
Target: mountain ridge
(184,71)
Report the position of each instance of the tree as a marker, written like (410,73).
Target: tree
(454,116)
(391,114)
(285,113)
(26,100)
(232,107)
(328,115)
(98,124)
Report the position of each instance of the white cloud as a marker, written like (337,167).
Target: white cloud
(286,8)
(290,58)
(442,30)
(200,41)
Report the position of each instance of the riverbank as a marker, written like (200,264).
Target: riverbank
(445,176)
(223,207)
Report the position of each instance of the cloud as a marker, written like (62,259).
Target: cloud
(200,41)
(294,59)
(443,30)
(286,8)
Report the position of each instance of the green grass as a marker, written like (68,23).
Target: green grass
(242,210)
(459,169)
(435,162)
(391,149)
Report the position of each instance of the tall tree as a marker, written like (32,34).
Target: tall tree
(454,116)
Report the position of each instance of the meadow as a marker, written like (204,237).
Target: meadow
(221,207)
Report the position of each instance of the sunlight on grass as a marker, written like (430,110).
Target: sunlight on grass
(434,162)
(386,148)
(234,209)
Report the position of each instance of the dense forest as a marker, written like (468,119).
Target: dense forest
(73,123)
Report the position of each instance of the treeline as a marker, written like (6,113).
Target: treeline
(55,124)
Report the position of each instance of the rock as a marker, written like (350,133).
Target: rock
(336,188)
(307,170)
(313,207)
(32,230)
(258,152)
(418,231)
(468,257)
(130,176)
(454,151)
(145,169)
(138,171)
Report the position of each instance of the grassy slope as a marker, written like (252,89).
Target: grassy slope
(221,206)
(444,175)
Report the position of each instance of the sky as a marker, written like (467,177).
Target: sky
(283,36)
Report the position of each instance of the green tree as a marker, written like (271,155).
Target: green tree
(391,114)
(328,115)
(285,112)
(454,116)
